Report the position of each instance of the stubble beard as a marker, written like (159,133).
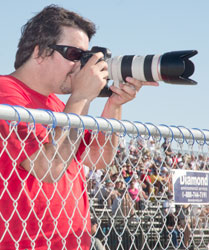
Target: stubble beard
(65,87)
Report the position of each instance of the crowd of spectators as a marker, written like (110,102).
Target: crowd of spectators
(140,173)
(143,170)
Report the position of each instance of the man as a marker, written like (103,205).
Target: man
(169,211)
(96,242)
(44,204)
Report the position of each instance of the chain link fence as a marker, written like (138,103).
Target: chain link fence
(133,203)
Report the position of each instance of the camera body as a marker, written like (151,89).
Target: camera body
(105,92)
(172,67)
(88,54)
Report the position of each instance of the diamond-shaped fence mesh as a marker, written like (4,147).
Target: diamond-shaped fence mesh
(153,194)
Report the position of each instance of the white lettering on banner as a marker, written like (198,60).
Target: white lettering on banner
(192,180)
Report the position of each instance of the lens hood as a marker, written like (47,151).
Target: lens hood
(176,68)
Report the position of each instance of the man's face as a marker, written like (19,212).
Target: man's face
(61,70)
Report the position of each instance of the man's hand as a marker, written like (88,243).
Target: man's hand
(127,91)
(88,82)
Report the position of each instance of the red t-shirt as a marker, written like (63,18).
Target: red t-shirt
(32,213)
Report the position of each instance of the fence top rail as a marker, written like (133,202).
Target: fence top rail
(124,127)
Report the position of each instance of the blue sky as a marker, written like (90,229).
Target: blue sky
(135,27)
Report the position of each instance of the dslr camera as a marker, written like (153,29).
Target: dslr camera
(172,67)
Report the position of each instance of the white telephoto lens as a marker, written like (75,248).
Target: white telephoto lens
(138,68)
(114,70)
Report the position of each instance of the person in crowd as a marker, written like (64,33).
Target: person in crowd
(158,161)
(122,150)
(137,194)
(169,211)
(146,180)
(167,147)
(168,162)
(96,243)
(184,219)
(169,204)
(96,176)
(157,180)
(193,162)
(121,201)
(167,180)
(104,193)
(127,172)
(172,227)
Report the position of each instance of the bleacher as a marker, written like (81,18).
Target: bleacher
(144,230)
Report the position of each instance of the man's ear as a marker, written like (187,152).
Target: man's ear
(39,59)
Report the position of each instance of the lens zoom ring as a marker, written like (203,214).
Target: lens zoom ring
(148,68)
(126,65)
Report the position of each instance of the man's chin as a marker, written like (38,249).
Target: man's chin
(65,90)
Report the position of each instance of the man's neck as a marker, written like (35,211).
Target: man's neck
(30,79)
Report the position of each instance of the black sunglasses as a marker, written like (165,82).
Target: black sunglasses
(68,52)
